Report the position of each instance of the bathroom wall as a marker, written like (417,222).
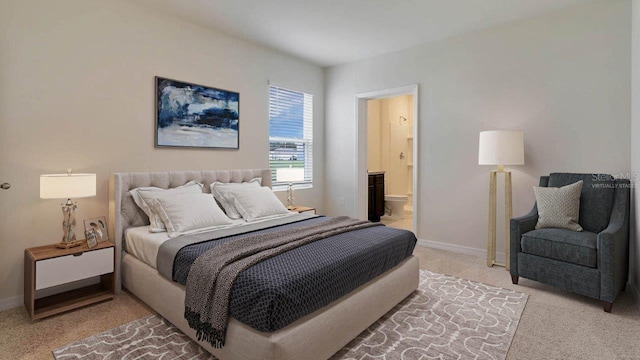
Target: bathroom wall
(388,135)
(374,148)
(409,142)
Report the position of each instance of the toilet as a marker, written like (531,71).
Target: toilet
(394,205)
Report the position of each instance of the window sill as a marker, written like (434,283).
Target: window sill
(283,187)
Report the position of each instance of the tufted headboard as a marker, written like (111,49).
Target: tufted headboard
(124,213)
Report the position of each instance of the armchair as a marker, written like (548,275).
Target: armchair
(593,262)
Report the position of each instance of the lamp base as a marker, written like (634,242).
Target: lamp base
(67,245)
(491,242)
(69,224)
(290,200)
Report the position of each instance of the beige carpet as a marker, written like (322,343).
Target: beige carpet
(554,325)
(446,318)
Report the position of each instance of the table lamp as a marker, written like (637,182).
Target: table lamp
(500,147)
(290,175)
(67,186)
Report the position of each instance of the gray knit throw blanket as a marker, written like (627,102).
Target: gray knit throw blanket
(212,274)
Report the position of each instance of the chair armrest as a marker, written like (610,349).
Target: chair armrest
(613,246)
(517,227)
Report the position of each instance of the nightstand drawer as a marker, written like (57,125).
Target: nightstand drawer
(65,269)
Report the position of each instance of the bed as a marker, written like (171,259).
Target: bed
(317,335)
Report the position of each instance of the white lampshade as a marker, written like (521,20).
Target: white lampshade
(66,186)
(289,174)
(501,147)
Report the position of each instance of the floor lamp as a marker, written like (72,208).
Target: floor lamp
(500,147)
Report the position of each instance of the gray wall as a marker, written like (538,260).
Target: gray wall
(635,148)
(563,78)
(77,91)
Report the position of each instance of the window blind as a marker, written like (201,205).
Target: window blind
(290,132)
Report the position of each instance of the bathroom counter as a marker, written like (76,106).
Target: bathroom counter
(376,172)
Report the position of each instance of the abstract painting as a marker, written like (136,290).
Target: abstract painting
(190,115)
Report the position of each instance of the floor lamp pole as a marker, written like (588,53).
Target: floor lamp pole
(491,241)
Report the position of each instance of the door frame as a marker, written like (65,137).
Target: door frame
(361,147)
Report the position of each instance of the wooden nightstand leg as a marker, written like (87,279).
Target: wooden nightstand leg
(107,282)
(29,284)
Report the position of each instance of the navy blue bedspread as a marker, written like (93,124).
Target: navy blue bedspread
(274,293)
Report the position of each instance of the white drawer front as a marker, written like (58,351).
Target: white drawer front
(64,269)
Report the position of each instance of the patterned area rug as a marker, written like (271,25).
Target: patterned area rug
(148,338)
(446,318)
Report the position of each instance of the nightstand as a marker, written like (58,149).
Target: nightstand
(48,266)
(301,209)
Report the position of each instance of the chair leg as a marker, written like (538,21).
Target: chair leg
(607,306)
(624,287)
(514,279)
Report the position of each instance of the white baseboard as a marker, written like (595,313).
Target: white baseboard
(11,302)
(17,301)
(482,253)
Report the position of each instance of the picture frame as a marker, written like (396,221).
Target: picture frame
(196,116)
(99,226)
(90,236)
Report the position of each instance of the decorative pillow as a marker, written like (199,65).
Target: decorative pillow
(182,213)
(596,199)
(143,197)
(221,191)
(559,207)
(257,202)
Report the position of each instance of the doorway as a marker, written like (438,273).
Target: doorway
(387,156)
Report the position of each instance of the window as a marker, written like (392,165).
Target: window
(290,133)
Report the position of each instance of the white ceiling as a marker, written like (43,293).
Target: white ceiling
(330,32)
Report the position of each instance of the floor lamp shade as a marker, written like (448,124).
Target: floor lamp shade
(501,147)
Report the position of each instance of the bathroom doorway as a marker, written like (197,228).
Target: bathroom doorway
(390,160)
(388,172)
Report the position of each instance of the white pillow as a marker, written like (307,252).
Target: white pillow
(143,196)
(221,191)
(257,202)
(181,213)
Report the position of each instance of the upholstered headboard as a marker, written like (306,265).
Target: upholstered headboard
(124,213)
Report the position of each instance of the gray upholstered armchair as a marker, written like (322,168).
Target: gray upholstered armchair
(593,262)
